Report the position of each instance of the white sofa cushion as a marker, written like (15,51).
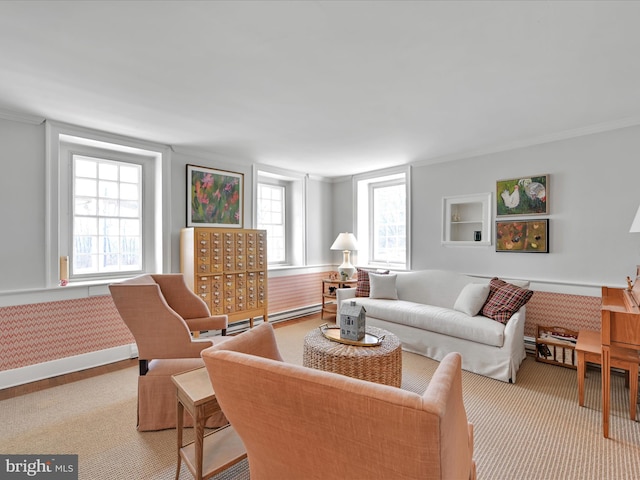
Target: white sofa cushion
(433,287)
(472,298)
(383,286)
(446,321)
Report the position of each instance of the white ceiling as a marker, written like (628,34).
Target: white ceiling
(326,87)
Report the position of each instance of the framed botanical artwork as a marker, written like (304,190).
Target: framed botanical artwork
(522,196)
(214,198)
(525,236)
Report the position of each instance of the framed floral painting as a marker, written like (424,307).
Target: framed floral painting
(214,198)
(523,196)
(525,236)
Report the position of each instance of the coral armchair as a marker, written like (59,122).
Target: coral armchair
(154,308)
(320,425)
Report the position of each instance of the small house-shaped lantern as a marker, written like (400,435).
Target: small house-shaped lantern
(352,321)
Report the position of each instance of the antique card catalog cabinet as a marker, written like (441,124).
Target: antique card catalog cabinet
(227,268)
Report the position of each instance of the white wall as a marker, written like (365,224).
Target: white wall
(343,217)
(23,202)
(319,222)
(22,205)
(594,192)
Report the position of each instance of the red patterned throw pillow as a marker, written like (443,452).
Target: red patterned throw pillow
(504,300)
(363,286)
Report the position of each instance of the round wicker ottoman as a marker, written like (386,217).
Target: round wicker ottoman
(379,364)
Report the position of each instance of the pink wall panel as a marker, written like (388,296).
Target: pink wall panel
(295,291)
(48,331)
(575,312)
(42,332)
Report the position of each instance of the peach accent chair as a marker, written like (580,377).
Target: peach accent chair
(297,422)
(161,311)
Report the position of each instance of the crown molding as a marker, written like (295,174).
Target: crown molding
(21,117)
(530,142)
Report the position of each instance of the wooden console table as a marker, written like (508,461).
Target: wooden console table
(620,328)
(207,455)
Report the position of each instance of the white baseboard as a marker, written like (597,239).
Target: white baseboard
(61,366)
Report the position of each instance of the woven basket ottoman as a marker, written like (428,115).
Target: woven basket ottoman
(380,364)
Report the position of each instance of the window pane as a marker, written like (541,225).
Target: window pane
(108,171)
(129,191)
(271,208)
(109,226)
(107,216)
(130,227)
(130,209)
(85,244)
(85,226)
(85,187)
(108,189)
(86,206)
(85,168)
(130,174)
(389,224)
(108,207)
(83,263)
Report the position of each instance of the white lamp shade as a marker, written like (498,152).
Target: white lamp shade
(345,241)
(635,225)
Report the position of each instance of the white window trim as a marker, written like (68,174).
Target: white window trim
(68,150)
(286,186)
(372,187)
(376,177)
(55,246)
(296,253)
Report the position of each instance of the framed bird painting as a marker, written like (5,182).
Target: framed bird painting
(523,196)
(525,236)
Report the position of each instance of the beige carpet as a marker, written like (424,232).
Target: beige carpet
(531,430)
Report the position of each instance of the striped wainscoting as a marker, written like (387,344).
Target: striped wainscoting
(42,332)
(295,291)
(46,332)
(574,312)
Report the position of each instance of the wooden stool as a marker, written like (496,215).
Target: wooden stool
(589,349)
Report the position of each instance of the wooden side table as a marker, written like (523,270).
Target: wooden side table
(329,304)
(207,455)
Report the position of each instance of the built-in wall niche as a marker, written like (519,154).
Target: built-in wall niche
(466,220)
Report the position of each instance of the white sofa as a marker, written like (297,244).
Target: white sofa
(426,323)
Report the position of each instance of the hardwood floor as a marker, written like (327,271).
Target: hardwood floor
(92,372)
(63,379)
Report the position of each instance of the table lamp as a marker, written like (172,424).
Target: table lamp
(346,242)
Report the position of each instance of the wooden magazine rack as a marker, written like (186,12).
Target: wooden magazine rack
(556,345)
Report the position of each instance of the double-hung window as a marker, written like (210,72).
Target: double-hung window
(279,208)
(272,218)
(108,200)
(387,207)
(106,231)
(382,213)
